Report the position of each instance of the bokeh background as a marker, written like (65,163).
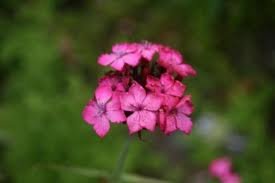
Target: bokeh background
(48,71)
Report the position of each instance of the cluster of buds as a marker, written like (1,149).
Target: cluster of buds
(144,90)
(221,168)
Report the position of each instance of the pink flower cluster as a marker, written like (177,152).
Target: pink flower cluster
(221,168)
(143,91)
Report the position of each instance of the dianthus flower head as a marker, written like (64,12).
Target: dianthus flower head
(141,92)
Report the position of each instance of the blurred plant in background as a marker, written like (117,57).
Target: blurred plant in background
(48,53)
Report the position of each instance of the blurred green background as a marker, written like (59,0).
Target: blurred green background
(48,71)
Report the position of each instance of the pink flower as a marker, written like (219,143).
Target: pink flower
(121,95)
(144,107)
(147,50)
(231,178)
(102,109)
(123,53)
(220,167)
(114,82)
(173,62)
(176,117)
(166,86)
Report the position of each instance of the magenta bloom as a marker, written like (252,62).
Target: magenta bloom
(122,54)
(147,50)
(166,86)
(177,117)
(114,83)
(173,62)
(220,167)
(103,109)
(144,107)
(141,93)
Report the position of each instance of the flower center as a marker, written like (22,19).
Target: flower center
(113,87)
(139,108)
(101,109)
(162,90)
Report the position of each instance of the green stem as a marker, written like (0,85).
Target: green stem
(118,171)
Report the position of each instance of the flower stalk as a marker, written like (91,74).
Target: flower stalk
(118,170)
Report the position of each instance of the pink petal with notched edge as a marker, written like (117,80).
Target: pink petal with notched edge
(170,124)
(152,102)
(90,112)
(103,94)
(131,59)
(147,119)
(170,101)
(148,54)
(116,116)
(147,50)
(133,123)
(124,48)
(184,70)
(153,84)
(102,126)
(118,65)
(184,123)
(177,89)
(106,59)
(114,104)
(138,92)
(127,102)
(185,105)
(166,80)
(115,82)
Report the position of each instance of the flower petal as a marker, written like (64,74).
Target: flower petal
(184,123)
(177,89)
(138,92)
(153,84)
(170,101)
(102,126)
(147,119)
(114,104)
(185,105)
(152,102)
(113,81)
(116,116)
(147,50)
(133,122)
(103,94)
(90,112)
(166,80)
(127,102)
(184,70)
(170,124)
(107,59)
(118,64)
(131,59)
